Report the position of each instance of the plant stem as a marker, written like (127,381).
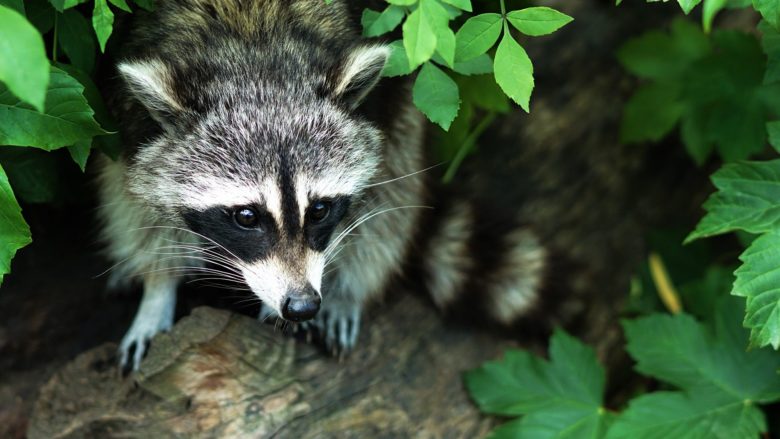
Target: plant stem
(467,145)
(503,18)
(54,40)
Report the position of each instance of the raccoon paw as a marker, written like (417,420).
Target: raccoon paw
(337,325)
(135,343)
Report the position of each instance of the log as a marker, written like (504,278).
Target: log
(219,374)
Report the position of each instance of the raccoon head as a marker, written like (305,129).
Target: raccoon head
(263,170)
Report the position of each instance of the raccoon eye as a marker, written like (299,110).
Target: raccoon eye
(319,210)
(246,217)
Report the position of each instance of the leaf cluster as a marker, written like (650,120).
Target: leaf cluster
(484,47)
(712,387)
(46,103)
(711,86)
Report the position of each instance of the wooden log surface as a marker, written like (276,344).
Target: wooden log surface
(218,374)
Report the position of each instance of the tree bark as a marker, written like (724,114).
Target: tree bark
(218,374)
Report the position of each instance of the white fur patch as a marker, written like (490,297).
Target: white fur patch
(271,279)
(150,81)
(362,68)
(514,285)
(449,261)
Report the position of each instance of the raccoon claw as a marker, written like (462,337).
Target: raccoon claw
(338,327)
(135,343)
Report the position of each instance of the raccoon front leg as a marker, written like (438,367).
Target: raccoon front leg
(338,323)
(154,315)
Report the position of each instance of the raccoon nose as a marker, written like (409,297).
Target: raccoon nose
(301,305)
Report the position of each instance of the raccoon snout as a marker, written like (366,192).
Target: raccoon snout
(301,305)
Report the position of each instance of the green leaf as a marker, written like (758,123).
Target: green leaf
(34,174)
(657,55)
(561,398)
(121,4)
(66,119)
(662,415)
(24,68)
(445,45)
(748,198)
(148,4)
(514,72)
(770,42)
(79,152)
(681,351)
(695,135)
(561,422)
(709,11)
(14,232)
(538,20)
(477,35)
(773,128)
(770,10)
(419,38)
(16,5)
(397,63)
(652,112)
(376,23)
(76,39)
(103,22)
(476,66)
(758,280)
(436,95)
(688,5)
(460,4)
(61,5)
(402,2)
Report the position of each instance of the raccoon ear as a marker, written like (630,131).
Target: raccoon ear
(151,83)
(359,73)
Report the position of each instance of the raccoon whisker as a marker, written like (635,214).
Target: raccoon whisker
(229,269)
(210,258)
(368,217)
(349,228)
(411,174)
(183,271)
(111,268)
(181,229)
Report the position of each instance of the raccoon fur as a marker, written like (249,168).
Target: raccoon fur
(263,146)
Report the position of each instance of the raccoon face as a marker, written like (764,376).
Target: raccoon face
(263,171)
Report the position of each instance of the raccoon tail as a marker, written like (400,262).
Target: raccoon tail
(481,267)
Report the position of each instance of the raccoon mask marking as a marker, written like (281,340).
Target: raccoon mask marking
(262,170)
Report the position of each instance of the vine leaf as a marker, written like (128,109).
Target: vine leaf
(103,22)
(721,384)
(514,72)
(419,38)
(538,20)
(66,119)
(748,198)
(436,95)
(14,232)
(379,23)
(477,35)
(559,398)
(24,68)
(758,280)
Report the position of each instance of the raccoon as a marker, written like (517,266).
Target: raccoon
(261,144)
